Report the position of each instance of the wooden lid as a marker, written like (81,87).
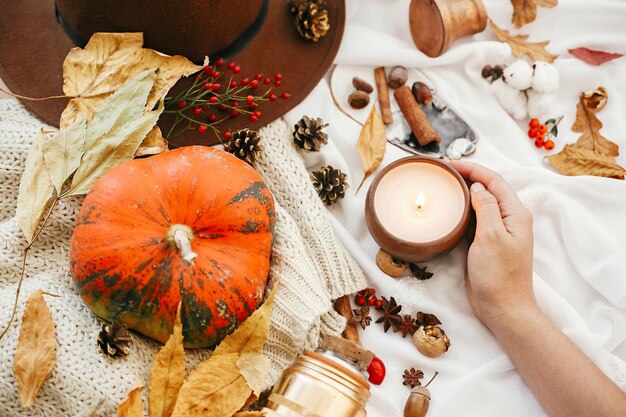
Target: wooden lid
(427,27)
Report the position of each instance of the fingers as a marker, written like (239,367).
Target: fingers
(494,182)
(488,216)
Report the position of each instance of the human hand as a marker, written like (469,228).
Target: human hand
(499,262)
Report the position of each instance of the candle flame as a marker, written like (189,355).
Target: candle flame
(420,200)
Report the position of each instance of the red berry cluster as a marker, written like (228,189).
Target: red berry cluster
(218,94)
(368,296)
(543,133)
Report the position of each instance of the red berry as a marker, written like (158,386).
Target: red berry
(233,84)
(532,133)
(216,74)
(216,86)
(378,304)
(376,371)
(360,300)
(182,104)
(285,96)
(539,142)
(228,134)
(267,81)
(205,107)
(245,81)
(272,97)
(371,291)
(533,123)
(371,301)
(230,65)
(236,69)
(197,110)
(234,104)
(249,98)
(213,100)
(202,129)
(549,145)
(543,129)
(212,117)
(234,113)
(258,77)
(207,86)
(257,113)
(223,106)
(254,84)
(219,62)
(253,118)
(278,77)
(277,83)
(208,70)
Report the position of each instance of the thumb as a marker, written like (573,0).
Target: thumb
(488,216)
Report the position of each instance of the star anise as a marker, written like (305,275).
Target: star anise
(390,313)
(412,377)
(420,273)
(426,319)
(361,317)
(406,326)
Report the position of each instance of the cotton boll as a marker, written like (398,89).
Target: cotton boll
(540,104)
(518,75)
(545,78)
(512,101)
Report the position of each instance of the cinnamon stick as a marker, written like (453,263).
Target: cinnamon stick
(415,117)
(383,95)
(343,307)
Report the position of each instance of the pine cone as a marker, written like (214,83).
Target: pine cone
(114,339)
(308,134)
(311,20)
(330,184)
(245,144)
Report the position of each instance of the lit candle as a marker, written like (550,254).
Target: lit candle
(417,208)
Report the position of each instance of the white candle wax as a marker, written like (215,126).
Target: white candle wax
(419,202)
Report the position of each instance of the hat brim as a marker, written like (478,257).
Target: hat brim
(33,46)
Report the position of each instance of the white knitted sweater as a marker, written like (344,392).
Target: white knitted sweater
(307,259)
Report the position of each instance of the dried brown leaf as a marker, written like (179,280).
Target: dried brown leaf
(133,404)
(520,47)
(589,126)
(251,335)
(254,367)
(574,160)
(525,11)
(371,145)
(35,192)
(249,414)
(35,354)
(215,388)
(593,57)
(168,373)
(108,61)
(153,144)
(63,151)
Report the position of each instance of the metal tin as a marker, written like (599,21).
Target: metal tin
(319,385)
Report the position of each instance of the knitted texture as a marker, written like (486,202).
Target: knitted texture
(308,263)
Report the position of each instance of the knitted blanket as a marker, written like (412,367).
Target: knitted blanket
(308,261)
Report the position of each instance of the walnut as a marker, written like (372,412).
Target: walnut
(431,341)
(390,265)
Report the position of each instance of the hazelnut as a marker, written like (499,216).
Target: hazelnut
(390,265)
(498,70)
(362,85)
(358,99)
(422,93)
(431,341)
(487,71)
(397,77)
(595,100)
(417,403)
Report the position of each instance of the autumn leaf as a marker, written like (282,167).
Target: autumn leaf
(116,131)
(589,126)
(371,145)
(215,388)
(574,160)
(35,354)
(168,373)
(520,47)
(63,151)
(593,57)
(153,144)
(108,61)
(132,405)
(525,11)
(35,192)
(254,367)
(249,414)
(251,334)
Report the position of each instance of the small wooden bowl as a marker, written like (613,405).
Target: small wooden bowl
(435,24)
(404,249)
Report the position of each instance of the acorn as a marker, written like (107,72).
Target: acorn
(390,265)
(419,400)
(422,93)
(358,99)
(362,85)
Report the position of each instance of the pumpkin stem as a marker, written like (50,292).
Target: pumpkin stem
(182,235)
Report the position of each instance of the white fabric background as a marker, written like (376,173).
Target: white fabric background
(580,226)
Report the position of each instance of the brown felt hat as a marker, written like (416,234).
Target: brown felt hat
(259,35)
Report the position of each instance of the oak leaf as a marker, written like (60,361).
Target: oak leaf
(589,126)
(153,144)
(575,160)
(168,373)
(109,60)
(593,57)
(525,11)
(132,406)
(371,145)
(520,46)
(35,354)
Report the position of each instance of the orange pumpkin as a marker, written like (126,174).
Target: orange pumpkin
(191,226)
